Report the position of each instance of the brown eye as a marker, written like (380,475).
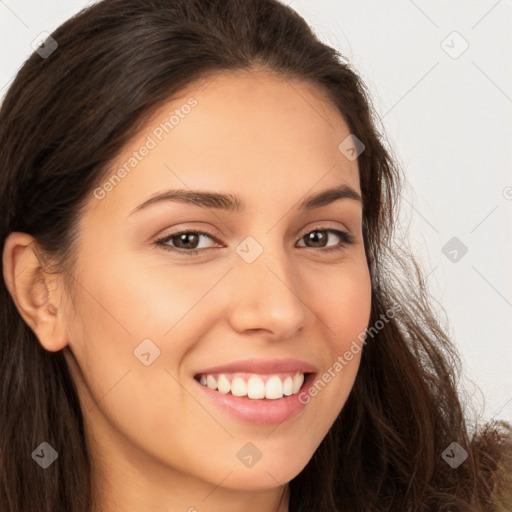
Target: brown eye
(185,241)
(188,240)
(318,239)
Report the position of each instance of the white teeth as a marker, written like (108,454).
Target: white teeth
(211,382)
(298,380)
(239,387)
(223,385)
(288,386)
(274,388)
(255,387)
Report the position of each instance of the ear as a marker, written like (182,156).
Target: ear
(34,292)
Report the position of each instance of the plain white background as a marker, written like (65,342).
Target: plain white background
(441,82)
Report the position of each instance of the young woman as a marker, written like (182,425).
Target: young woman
(202,305)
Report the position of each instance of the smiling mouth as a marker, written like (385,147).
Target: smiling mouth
(254,386)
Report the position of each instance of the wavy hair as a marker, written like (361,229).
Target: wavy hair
(66,117)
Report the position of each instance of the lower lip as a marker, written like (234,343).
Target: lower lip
(259,411)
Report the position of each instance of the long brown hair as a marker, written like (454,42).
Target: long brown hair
(66,117)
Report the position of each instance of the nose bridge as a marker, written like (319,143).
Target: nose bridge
(267,294)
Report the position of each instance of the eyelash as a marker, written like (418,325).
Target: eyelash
(347,239)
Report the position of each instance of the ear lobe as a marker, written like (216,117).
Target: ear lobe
(33,291)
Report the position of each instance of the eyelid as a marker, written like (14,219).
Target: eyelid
(324,226)
(190,229)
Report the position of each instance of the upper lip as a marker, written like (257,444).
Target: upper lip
(261,366)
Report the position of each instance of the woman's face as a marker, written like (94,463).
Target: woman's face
(267,291)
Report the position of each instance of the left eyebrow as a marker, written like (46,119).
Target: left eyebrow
(234,203)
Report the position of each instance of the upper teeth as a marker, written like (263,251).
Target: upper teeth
(254,386)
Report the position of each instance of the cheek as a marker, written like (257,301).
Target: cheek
(126,309)
(119,309)
(343,303)
(343,298)
(132,298)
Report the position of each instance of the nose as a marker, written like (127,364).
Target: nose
(266,295)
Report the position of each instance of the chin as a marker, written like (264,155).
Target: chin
(264,476)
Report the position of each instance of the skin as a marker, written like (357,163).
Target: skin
(157,443)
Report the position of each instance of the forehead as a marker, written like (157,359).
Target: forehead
(256,134)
